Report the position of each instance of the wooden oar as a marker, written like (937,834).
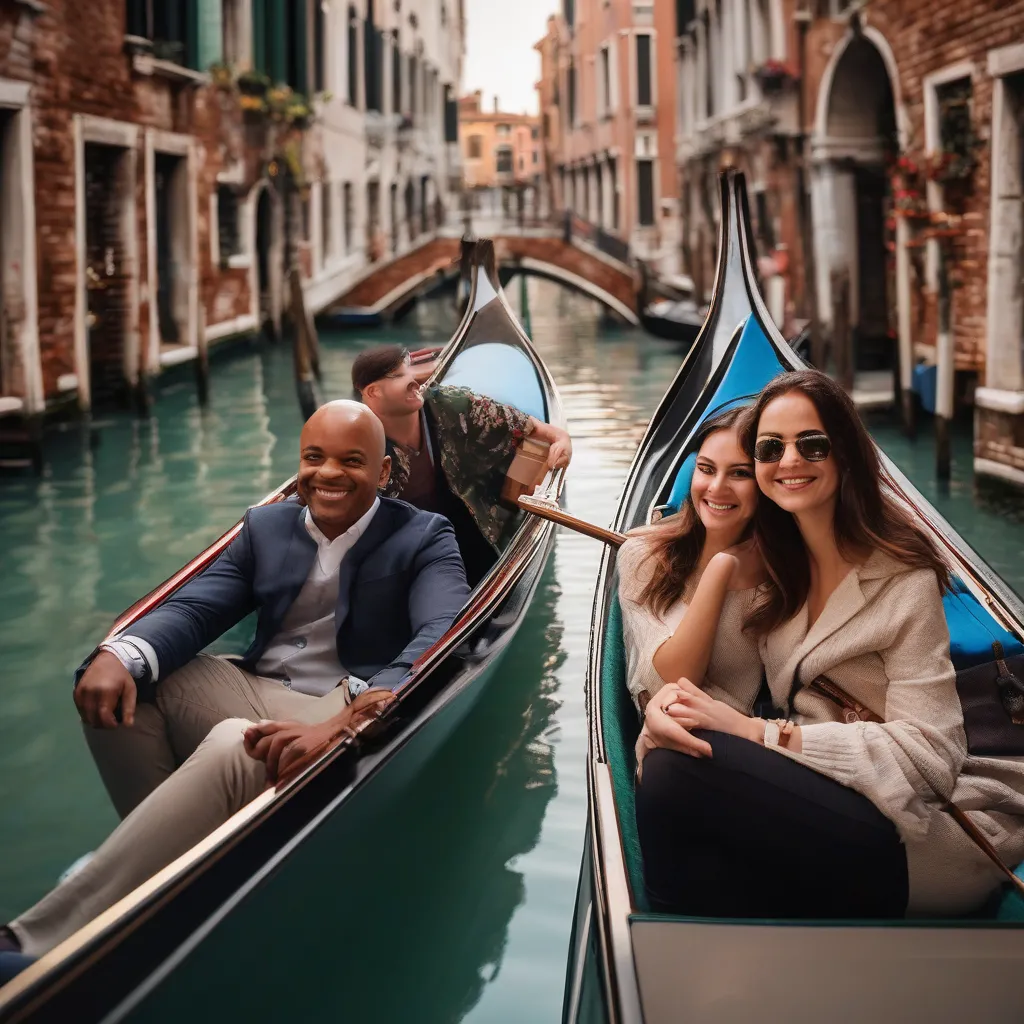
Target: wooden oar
(549,510)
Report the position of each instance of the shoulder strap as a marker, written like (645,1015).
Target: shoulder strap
(853,712)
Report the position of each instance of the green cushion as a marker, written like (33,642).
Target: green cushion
(621,727)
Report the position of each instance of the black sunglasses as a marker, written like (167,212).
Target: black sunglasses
(812,447)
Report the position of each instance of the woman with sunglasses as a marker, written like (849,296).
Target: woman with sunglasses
(687,583)
(822,814)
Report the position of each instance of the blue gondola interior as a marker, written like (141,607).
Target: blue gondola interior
(972,628)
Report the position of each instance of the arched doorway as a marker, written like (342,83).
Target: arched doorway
(856,134)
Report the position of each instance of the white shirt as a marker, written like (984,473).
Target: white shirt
(303,654)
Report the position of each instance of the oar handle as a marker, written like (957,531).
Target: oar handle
(549,510)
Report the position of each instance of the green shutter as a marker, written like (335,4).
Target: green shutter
(259,35)
(301,83)
(277,44)
(211,33)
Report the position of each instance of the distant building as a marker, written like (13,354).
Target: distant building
(500,151)
(903,213)
(163,162)
(608,96)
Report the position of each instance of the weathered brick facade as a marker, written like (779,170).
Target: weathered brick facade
(866,89)
(74,57)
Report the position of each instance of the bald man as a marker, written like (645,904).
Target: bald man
(350,588)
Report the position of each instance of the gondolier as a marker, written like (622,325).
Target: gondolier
(350,590)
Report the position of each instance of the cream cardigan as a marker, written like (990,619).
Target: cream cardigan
(734,671)
(882,637)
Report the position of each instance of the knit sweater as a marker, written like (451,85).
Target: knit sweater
(734,670)
(882,637)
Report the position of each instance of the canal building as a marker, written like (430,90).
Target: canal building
(163,162)
(883,144)
(502,155)
(608,97)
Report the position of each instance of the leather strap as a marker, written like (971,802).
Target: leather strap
(855,711)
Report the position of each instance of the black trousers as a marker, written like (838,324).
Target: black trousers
(750,833)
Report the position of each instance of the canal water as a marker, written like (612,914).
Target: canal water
(461,904)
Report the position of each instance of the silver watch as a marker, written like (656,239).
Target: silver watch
(771,734)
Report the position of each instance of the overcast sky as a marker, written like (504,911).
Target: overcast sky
(500,58)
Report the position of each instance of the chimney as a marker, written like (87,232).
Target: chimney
(496,104)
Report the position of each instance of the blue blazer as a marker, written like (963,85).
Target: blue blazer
(399,589)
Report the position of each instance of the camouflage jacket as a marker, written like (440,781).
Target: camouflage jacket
(477,438)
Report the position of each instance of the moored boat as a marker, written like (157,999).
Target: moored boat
(627,964)
(295,830)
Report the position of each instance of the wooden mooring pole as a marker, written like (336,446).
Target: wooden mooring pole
(303,347)
(202,361)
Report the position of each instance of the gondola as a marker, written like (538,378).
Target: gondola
(627,964)
(674,317)
(292,834)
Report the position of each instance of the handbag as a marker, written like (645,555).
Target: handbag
(992,698)
(853,711)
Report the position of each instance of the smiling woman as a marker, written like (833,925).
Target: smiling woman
(685,583)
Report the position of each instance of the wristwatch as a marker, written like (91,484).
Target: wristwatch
(771,733)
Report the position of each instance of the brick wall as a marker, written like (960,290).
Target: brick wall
(926,36)
(73,55)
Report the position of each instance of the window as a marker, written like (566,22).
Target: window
(535,133)
(644,91)
(373,58)
(522,162)
(326,221)
(413,91)
(171,25)
(502,131)
(229,237)
(536,159)
(570,89)
(685,13)
(645,192)
(605,82)
(319,47)
(346,194)
(504,160)
(451,116)
(353,58)
(279,42)
(396,74)
(476,147)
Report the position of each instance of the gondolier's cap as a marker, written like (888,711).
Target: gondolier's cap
(375,363)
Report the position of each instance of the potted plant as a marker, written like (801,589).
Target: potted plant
(773,75)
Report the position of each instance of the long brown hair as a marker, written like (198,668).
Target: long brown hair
(867,518)
(675,543)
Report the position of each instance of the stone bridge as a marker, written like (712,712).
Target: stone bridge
(389,287)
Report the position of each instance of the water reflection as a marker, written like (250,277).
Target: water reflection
(399,911)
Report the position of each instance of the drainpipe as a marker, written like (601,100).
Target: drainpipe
(802,17)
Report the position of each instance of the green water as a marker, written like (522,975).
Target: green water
(461,908)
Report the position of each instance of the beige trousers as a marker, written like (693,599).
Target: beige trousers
(198,721)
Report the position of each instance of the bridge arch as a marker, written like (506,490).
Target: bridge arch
(388,288)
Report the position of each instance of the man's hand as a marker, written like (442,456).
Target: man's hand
(284,744)
(106,682)
(288,745)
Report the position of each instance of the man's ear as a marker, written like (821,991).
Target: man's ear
(370,391)
(385,473)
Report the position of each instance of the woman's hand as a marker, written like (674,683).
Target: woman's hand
(662,730)
(690,707)
(746,565)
